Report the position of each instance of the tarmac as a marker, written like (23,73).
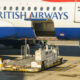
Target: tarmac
(69,70)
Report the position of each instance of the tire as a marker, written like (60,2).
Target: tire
(43,65)
(61,60)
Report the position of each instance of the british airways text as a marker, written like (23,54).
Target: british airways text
(25,15)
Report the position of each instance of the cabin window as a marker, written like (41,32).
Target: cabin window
(35,8)
(29,8)
(23,8)
(5,8)
(47,8)
(41,8)
(54,8)
(10,8)
(16,8)
(60,8)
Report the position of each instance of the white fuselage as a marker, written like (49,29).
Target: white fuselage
(65,15)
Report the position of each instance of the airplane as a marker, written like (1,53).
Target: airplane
(17,16)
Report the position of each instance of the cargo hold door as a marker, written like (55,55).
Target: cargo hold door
(44,28)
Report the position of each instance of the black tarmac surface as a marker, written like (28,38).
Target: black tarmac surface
(64,51)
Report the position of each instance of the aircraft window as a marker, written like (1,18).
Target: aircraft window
(41,8)
(16,8)
(47,8)
(54,8)
(29,8)
(23,8)
(35,8)
(10,8)
(4,7)
(60,8)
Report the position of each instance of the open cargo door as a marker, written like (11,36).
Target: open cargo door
(44,28)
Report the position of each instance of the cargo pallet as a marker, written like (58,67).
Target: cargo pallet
(16,69)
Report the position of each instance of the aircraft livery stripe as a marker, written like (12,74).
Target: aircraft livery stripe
(62,0)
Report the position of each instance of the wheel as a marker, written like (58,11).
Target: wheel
(43,65)
(61,60)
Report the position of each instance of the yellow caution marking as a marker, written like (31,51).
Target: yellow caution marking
(1,65)
(69,67)
(25,70)
(58,69)
(1,62)
(79,63)
(65,68)
(72,66)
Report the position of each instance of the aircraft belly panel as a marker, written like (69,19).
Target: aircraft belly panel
(16,32)
(68,33)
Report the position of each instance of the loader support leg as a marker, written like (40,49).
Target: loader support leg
(25,49)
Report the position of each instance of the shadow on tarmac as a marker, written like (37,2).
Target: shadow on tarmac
(5,75)
(64,51)
(69,51)
(4,53)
